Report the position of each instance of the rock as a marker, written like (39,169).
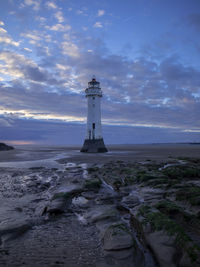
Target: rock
(93,184)
(4,147)
(102,213)
(131,201)
(125,191)
(102,226)
(12,229)
(131,257)
(185,261)
(108,198)
(117,237)
(136,223)
(41,208)
(89,194)
(70,189)
(63,198)
(80,202)
(57,206)
(162,246)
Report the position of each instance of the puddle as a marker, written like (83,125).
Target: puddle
(70,165)
(79,201)
(180,162)
(107,186)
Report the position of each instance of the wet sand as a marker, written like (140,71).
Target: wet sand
(158,152)
(60,242)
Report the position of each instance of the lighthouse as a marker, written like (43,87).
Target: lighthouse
(94,141)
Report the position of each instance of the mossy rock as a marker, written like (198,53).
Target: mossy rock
(128,171)
(118,237)
(94,183)
(174,211)
(117,183)
(93,169)
(129,180)
(182,172)
(189,194)
(160,221)
(157,181)
(64,195)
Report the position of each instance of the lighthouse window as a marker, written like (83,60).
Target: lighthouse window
(93,98)
(93,126)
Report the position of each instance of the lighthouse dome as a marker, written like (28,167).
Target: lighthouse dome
(93,83)
(93,88)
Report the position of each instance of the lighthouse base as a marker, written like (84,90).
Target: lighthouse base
(94,146)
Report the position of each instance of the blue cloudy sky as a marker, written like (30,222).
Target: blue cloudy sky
(145,53)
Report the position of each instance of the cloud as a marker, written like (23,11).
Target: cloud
(59,16)
(142,82)
(1,23)
(82,11)
(5,122)
(51,5)
(59,27)
(185,77)
(6,39)
(70,49)
(101,12)
(34,74)
(26,114)
(18,66)
(98,25)
(38,104)
(157,94)
(42,20)
(2,30)
(62,67)
(32,35)
(38,132)
(79,12)
(34,3)
(28,49)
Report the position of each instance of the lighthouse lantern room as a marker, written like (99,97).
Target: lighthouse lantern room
(94,140)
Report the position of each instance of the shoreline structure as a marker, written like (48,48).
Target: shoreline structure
(94,140)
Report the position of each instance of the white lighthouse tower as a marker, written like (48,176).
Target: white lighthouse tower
(94,141)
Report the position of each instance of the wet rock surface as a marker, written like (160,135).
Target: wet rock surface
(117,237)
(118,213)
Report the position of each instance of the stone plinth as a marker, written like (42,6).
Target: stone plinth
(94,146)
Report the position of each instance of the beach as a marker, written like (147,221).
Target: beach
(61,207)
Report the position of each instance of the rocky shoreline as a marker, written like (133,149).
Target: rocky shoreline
(4,147)
(118,213)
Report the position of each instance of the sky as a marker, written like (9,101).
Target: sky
(145,54)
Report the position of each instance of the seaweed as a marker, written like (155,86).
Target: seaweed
(93,183)
(189,194)
(160,221)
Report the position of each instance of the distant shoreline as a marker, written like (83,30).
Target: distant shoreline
(133,153)
(78,146)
